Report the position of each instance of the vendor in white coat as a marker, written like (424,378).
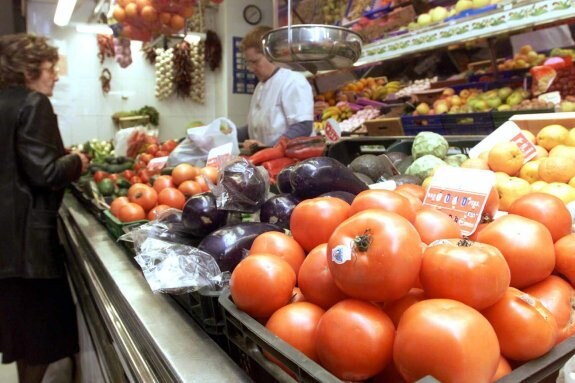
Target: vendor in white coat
(282,103)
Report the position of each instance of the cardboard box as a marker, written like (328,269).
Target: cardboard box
(384,127)
(535,122)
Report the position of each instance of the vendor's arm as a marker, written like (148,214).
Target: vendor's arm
(297,104)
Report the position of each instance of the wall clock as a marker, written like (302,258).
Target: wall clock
(252,14)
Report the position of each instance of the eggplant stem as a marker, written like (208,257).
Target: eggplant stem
(362,242)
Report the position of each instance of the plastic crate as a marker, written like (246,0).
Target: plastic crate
(500,117)
(346,149)
(117,228)
(457,144)
(203,306)
(449,124)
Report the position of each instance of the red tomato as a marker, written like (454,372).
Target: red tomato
(503,368)
(297,296)
(116,204)
(396,308)
(99,175)
(145,196)
(526,245)
(557,296)
(172,197)
(445,339)
(525,328)
(131,212)
(313,220)
(128,174)
(114,177)
(262,283)
(152,149)
(491,205)
(168,145)
(144,175)
(157,210)
(161,153)
(413,200)
(163,182)
(315,279)
(546,209)
(432,224)
(280,244)
(475,234)
(296,324)
(415,190)
(565,257)
(375,255)
(190,188)
(211,173)
(145,158)
(202,182)
(135,180)
(470,272)
(183,172)
(354,340)
(383,199)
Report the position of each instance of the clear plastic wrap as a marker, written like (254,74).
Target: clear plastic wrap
(168,263)
(241,186)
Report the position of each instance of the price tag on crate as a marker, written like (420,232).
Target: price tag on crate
(461,194)
(509,131)
(332,130)
(219,155)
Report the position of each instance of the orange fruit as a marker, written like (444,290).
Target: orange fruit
(537,186)
(131,10)
(530,136)
(552,135)
(510,190)
(149,14)
(570,140)
(142,3)
(484,155)
(541,152)
(530,171)
(177,22)
(556,169)
(475,163)
(560,190)
(563,151)
(505,157)
(165,18)
(119,13)
(187,12)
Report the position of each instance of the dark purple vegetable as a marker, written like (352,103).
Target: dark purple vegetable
(347,197)
(227,244)
(282,180)
(176,237)
(201,216)
(315,176)
(242,187)
(278,209)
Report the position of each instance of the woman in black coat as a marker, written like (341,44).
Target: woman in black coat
(37,313)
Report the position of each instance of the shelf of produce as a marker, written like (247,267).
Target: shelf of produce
(506,18)
(153,337)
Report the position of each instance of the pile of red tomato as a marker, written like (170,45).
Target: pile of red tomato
(388,290)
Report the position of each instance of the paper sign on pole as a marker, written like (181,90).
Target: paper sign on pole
(509,131)
(461,194)
(219,155)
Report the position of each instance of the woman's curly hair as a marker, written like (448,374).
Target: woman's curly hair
(253,39)
(22,55)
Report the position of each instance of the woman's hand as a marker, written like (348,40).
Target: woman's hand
(247,144)
(85,161)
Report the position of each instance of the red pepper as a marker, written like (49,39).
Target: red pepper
(269,154)
(305,147)
(305,141)
(275,166)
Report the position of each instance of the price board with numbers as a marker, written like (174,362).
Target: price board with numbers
(244,81)
(461,194)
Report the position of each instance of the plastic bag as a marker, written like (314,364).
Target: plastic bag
(128,142)
(199,141)
(169,265)
(241,187)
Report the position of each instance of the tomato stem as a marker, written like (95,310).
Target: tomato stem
(363,241)
(465,242)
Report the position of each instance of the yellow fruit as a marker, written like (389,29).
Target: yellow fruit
(541,152)
(560,190)
(563,151)
(556,169)
(552,135)
(530,171)
(500,177)
(530,136)
(505,157)
(510,190)
(570,141)
(537,186)
(571,182)
(475,163)
(484,155)
(426,182)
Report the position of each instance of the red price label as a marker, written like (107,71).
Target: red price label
(332,130)
(527,148)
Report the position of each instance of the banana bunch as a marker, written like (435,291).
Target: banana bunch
(382,91)
(338,113)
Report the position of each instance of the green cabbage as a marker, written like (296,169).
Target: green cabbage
(429,143)
(423,166)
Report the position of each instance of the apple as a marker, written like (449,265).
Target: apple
(422,108)
(423,19)
(438,14)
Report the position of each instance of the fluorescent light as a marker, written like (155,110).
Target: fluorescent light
(101,29)
(64,11)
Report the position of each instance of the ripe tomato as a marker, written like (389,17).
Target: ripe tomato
(262,283)
(128,174)
(383,199)
(565,257)
(202,182)
(156,211)
(556,295)
(162,182)
(446,339)
(432,224)
(152,149)
(161,153)
(280,244)
(470,272)
(116,204)
(131,212)
(313,220)
(413,200)
(516,315)
(183,172)
(211,173)
(99,175)
(354,340)
(172,197)
(503,368)
(145,158)
(396,308)
(135,180)
(374,255)
(475,234)
(144,175)
(546,209)
(315,279)
(526,245)
(415,190)
(144,196)
(190,188)
(296,324)
(168,145)
(297,296)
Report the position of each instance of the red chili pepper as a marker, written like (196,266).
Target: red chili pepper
(305,147)
(266,155)
(275,166)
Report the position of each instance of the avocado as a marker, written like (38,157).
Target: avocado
(370,165)
(396,157)
(365,178)
(404,164)
(106,187)
(406,179)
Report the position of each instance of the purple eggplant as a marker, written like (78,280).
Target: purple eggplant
(242,187)
(315,176)
(282,180)
(229,243)
(278,209)
(201,216)
(347,197)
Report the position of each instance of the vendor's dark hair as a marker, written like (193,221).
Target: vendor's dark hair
(254,38)
(23,54)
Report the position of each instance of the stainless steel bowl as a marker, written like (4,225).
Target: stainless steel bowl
(313,47)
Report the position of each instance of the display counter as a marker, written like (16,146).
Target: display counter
(137,336)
